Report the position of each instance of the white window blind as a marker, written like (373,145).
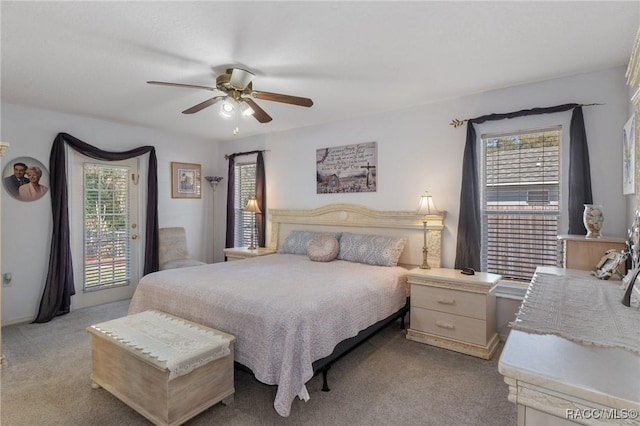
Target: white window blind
(245,188)
(107,255)
(520,202)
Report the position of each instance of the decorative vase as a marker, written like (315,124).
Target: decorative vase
(593,217)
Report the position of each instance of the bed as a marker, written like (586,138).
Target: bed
(292,317)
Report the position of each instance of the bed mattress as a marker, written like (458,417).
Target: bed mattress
(284,310)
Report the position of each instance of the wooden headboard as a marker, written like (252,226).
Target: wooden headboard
(362,220)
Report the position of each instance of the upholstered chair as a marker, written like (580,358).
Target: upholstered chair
(173,249)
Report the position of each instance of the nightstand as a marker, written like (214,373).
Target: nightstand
(454,311)
(239,253)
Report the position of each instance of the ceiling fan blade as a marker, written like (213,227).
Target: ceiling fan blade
(190,86)
(203,105)
(287,99)
(260,114)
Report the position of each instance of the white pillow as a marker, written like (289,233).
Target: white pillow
(371,249)
(296,241)
(323,248)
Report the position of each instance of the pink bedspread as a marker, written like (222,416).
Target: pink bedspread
(284,310)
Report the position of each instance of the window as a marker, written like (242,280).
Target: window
(245,188)
(520,202)
(107,253)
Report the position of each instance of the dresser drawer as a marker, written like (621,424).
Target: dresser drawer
(456,327)
(451,301)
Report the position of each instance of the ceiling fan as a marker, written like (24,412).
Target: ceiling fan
(237,93)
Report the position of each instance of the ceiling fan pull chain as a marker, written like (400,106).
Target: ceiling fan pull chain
(236,130)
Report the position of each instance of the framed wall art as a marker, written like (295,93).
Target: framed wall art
(25,179)
(186,181)
(628,156)
(348,168)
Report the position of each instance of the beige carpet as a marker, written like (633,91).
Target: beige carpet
(388,380)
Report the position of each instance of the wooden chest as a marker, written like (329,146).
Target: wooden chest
(166,368)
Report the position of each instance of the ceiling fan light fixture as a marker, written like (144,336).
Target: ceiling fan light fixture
(245,109)
(227,108)
(240,78)
(235,89)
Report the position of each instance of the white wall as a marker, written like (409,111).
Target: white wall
(417,150)
(26,227)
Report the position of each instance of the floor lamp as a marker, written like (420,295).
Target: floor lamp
(252,207)
(426,207)
(213,181)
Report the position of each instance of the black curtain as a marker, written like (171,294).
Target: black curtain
(59,286)
(231,202)
(579,174)
(469,224)
(261,199)
(468,247)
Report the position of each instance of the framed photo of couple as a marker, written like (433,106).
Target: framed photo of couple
(25,179)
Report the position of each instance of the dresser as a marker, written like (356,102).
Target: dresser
(454,311)
(239,253)
(558,381)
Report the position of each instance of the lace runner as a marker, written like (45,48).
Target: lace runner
(587,311)
(167,341)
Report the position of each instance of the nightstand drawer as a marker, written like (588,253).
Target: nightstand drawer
(451,301)
(456,327)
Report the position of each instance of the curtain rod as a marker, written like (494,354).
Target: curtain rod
(457,123)
(227,156)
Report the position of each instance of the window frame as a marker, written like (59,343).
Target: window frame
(528,208)
(243,221)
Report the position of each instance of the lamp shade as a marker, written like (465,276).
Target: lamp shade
(427,205)
(245,109)
(240,78)
(213,180)
(252,206)
(227,108)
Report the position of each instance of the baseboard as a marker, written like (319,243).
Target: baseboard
(18,321)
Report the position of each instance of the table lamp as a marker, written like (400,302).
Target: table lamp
(252,207)
(426,207)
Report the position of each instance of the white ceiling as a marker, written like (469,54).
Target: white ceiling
(352,58)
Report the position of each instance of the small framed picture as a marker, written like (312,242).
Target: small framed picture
(611,264)
(186,180)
